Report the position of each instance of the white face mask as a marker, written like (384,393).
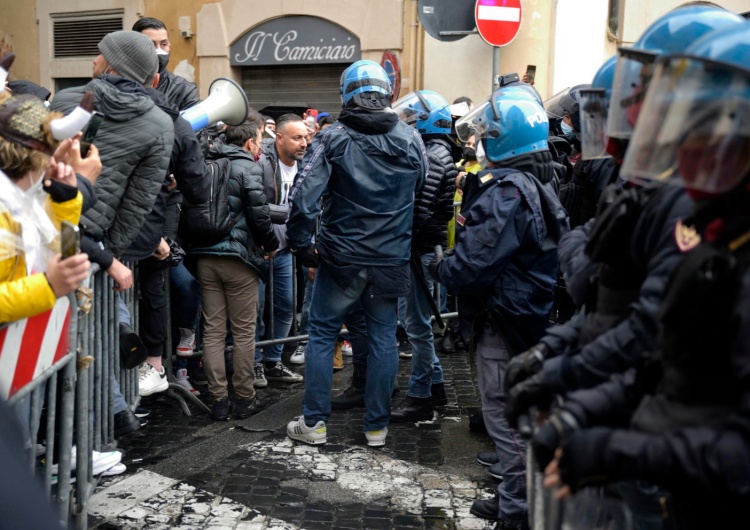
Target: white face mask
(481,157)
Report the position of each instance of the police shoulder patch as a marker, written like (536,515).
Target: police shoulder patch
(686,237)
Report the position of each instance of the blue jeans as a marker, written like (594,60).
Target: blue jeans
(283,306)
(186,297)
(425,365)
(327,314)
(492,359)
(123,315)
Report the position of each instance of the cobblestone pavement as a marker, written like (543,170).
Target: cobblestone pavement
(191,473)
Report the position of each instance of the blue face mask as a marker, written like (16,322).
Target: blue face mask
(567,130)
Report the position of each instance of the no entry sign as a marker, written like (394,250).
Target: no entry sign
(498,21)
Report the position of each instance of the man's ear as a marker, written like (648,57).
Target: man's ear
(156,80)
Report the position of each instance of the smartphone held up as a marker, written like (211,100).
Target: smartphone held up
(70,239)
(90,133)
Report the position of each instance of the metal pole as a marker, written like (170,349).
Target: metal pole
(495,67)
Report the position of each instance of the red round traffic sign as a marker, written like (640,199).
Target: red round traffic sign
(498,21)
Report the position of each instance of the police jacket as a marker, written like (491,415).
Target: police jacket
(252,235)
(689,432)
(652,246)
(433,205)
(135,143)
(367,168)
(180,92)
(504,264)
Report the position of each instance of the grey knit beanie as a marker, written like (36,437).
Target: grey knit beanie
(131,54)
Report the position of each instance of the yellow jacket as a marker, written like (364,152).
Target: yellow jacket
(473,168)
(23,296)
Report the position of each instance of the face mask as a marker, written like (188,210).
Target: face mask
(567,130)
(470,154)
(163,59)
(481,158)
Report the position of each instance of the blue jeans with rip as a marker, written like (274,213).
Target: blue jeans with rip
(283,306)
(425,365)
(331,306)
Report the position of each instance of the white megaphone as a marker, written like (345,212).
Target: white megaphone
(226,102)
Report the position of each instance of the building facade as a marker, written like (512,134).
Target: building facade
(290,53)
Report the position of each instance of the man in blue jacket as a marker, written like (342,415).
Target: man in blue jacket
(504,267)
(367,168)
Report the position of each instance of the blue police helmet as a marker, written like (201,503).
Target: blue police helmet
(604,77)
(365,84)
(425,110)
(516,124)
(696,118)
(671,33)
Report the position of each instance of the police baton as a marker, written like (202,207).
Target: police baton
(416,265)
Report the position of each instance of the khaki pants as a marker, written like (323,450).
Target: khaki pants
(228,286)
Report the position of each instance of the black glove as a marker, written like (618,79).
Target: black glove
(307,256)
(529,393)
(550,435)
(433,265)
(583,462)
(176,253)
(524,365)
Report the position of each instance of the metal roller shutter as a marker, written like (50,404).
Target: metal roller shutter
(307,86)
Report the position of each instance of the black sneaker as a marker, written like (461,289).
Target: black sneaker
(125,423)
(244,408)
(404,349)
(142,412)
(413,409)
(279,372)
(486,508)
(488,458)
(495,472)
(221,409)
(350,398)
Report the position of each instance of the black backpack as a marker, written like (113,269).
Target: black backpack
(209,223)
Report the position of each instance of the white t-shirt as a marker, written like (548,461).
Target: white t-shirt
(287,179)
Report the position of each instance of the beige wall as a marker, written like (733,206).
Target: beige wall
(50,68)
(18,28)
(639,14)
(377,23)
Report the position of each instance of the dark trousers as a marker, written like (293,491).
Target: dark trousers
(153,306)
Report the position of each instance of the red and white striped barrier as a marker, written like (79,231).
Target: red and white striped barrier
(30,346)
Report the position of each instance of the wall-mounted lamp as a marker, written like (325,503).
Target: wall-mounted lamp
(185,25)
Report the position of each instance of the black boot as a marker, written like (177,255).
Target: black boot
(439,399)
(126,422)
(413,409)
(486,508)
(448,345)
(351,398)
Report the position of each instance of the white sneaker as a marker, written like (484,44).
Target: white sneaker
(297,430)
(100,462)
(150,381)
(117,469)
(346,349)
(298,357)
(181,378)
(376,438)
(187,343)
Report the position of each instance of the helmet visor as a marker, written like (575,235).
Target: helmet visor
(483,121)
(412,108)
(632,77)
(695,123)
(561,104)
(593,124)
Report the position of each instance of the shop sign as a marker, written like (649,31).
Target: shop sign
(295,40)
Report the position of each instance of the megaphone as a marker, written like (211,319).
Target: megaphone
(226,102)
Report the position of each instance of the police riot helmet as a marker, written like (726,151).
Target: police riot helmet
(365,84)
(594,103)
(671,33)
(696,117)
(425,110)
(510,123)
